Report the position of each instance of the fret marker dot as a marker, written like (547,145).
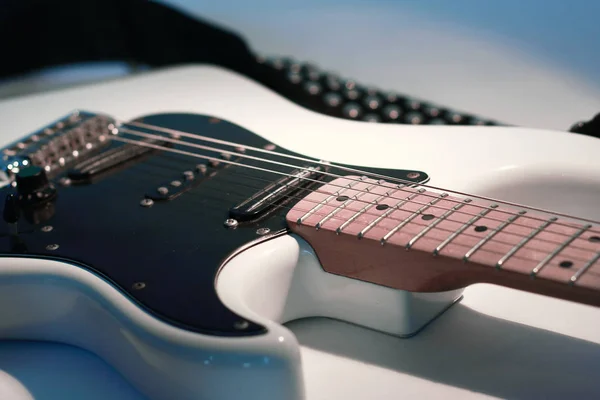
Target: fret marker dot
(480,228)
(428,217)
(594,239)
(342,198)
(382,207)
(565,264)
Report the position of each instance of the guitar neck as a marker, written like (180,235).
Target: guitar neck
(419,240)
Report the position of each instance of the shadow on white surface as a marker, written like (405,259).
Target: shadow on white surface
(466,349)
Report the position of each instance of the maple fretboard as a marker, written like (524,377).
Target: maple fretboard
(415,239)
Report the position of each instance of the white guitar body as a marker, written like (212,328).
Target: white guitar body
(497,342)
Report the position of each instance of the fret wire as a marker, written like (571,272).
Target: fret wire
(524,241)
(388,212)
(584,269)
(436,222)
(322,203)
(177,133)
(345,203)
(366,208)
(560,248)
(463,228)
(490,235)
(410,218)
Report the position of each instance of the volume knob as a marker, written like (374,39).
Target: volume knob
(33,185)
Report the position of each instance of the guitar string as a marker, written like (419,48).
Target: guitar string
(417,223)
(284,174)
(550,266)
(195,145)
(202,156)
(390,217)
(319,162)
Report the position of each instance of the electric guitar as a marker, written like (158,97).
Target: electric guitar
(173,232)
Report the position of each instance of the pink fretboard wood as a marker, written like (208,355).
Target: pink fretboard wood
(414,239)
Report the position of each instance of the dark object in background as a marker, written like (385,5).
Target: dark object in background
(39,34)
(591,127)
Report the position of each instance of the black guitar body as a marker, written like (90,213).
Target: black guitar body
(164,254)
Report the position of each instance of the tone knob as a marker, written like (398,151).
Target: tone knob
(33,185)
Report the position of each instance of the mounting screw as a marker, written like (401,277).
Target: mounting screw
(231,223)
(241,325)
(65,181)
(269,147)
(47,228)
(146,203)
(262,231)
(413,175)
(138,286)
(52,247)
(214,120)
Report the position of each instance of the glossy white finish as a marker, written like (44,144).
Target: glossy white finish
(57,302)
(281,280)
(496,342)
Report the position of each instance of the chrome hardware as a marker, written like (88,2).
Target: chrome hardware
(52,247)
(231,223)
(262,231)
(146,202)
(64,181)
(47,228)
(59,145)
(275,193)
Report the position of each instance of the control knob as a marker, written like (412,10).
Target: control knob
(33,186)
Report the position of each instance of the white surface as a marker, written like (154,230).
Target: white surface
(497,342)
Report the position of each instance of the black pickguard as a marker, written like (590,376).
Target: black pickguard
(175,248)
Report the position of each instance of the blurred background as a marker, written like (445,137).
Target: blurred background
(524,62)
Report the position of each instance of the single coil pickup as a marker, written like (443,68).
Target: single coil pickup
(275,194)
(112,160)
(189,179)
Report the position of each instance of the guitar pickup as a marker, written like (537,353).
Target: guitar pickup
(275,194)
(111,160)
(189,179)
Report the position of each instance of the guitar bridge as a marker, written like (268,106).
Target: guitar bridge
(58,146)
